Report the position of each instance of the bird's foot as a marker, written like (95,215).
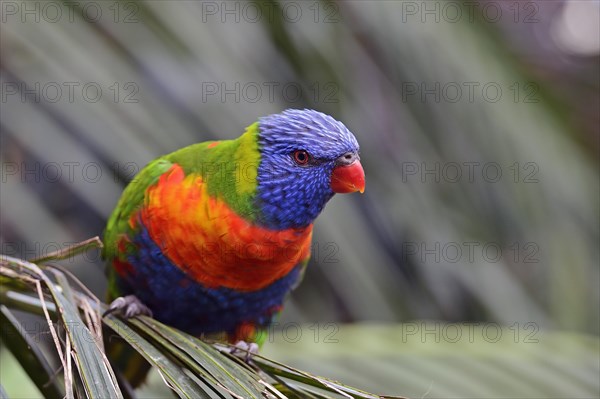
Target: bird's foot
(245,350)
(129,306)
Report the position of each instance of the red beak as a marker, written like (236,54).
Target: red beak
(348,178)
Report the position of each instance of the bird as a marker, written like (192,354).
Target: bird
(212,238)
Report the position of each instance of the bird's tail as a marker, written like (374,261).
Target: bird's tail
(125,360)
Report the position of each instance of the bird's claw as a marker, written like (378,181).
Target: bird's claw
(129,306)
(244,350)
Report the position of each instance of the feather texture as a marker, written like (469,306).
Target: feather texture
(214,236)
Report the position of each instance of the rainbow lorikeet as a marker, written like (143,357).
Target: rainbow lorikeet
(211,238)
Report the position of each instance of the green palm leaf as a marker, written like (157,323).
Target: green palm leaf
(190,367)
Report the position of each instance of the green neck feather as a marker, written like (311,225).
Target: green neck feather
(228,167)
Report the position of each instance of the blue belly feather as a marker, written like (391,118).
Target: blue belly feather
(181,302)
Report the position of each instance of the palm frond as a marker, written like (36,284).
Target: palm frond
(421,358)
(189,367)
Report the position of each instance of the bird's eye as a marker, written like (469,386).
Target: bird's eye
(301,157)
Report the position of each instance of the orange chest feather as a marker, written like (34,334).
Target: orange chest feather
(211,243)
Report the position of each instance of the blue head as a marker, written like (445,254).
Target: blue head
(306,157)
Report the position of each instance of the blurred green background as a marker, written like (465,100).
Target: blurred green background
(478,124)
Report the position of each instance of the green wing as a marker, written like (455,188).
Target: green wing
(118,223)
(131,200)
(218,162)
